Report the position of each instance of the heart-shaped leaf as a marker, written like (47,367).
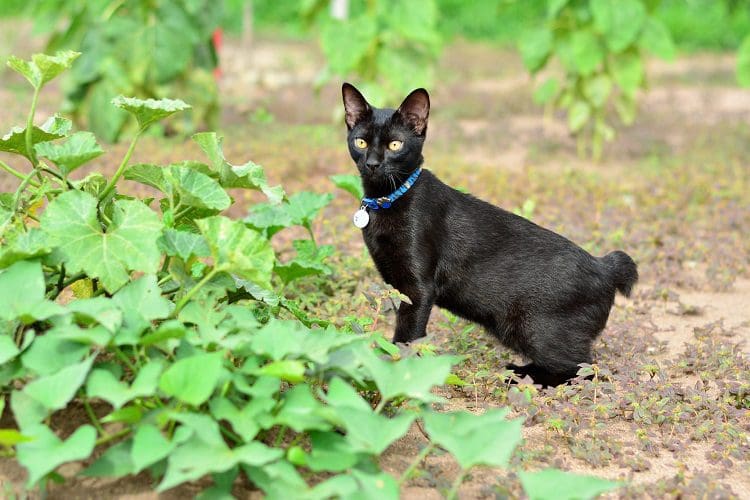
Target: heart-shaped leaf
(56,390)
(22,293)
(149,111)
(553,483)
(487,439)
(104,385)
(45,452)
(15,140)
(183,244)
(369,432)
(308,262)
(129,243)
(411,377)
(192,379)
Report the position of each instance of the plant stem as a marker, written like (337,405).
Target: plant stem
(29,136)
(279,436)
(124,358)
(92,416)
(417,460)
(22,187)
(186,298)
(65,284)
(15,173)
(106,438)
(453,492)
(121,169)
(381,405)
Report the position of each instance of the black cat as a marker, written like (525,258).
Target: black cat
(536,291)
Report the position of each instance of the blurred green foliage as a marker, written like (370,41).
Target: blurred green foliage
(601,47)
(137,47)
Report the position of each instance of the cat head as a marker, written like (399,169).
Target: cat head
(386,144)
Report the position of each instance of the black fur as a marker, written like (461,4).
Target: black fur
(536,291)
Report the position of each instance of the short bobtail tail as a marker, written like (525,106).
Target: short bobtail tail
(623,270)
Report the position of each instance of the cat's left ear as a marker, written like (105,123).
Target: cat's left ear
(355,105)
(415,110)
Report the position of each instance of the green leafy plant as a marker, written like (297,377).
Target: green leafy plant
(601,47)
(169,326)
(391,46)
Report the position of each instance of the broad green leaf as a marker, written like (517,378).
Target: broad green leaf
(286,369)
(350,183)
(342,395)
(141,302)
(27,411)
(192,379)
(15,140)
(553,483)
(103,384)
(360,34)
(197,189)
(77,149)
(129,243)
(619,21)
(52,352)
(46,451)
(546,91)
(56,390)
(149,111)
(627,71)
(330,452)
(535,46)
(271,218)
(197,458)
(150,445)
(249,175)
(115,462)
(22,292)
(487,439)
(309,261)
(148,174)
(743,63)
(411,377)
(23,245)
(99,310)
(304,206)
(580,52)
(245,421)
(8,349)
(369,432)
(301,412)
(238,250)
(183,244)
(289,339)
(358,485)
(578,115)
(56,125)
(656,39)
(278,480)
(42,68)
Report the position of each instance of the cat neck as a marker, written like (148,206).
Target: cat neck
(377,189)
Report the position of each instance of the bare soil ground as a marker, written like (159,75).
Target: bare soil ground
(668,411)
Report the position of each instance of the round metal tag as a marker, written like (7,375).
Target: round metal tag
(361,218)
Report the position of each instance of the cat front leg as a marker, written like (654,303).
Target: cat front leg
(411,321)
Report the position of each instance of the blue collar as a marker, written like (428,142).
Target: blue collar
(386,201)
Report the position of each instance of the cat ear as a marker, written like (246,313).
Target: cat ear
(355,105)
(415,109)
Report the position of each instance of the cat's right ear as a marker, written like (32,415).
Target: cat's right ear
(355,105)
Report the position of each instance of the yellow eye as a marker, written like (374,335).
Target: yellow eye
(395,145)
(360,143)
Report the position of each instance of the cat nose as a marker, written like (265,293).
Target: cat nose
(372,163)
